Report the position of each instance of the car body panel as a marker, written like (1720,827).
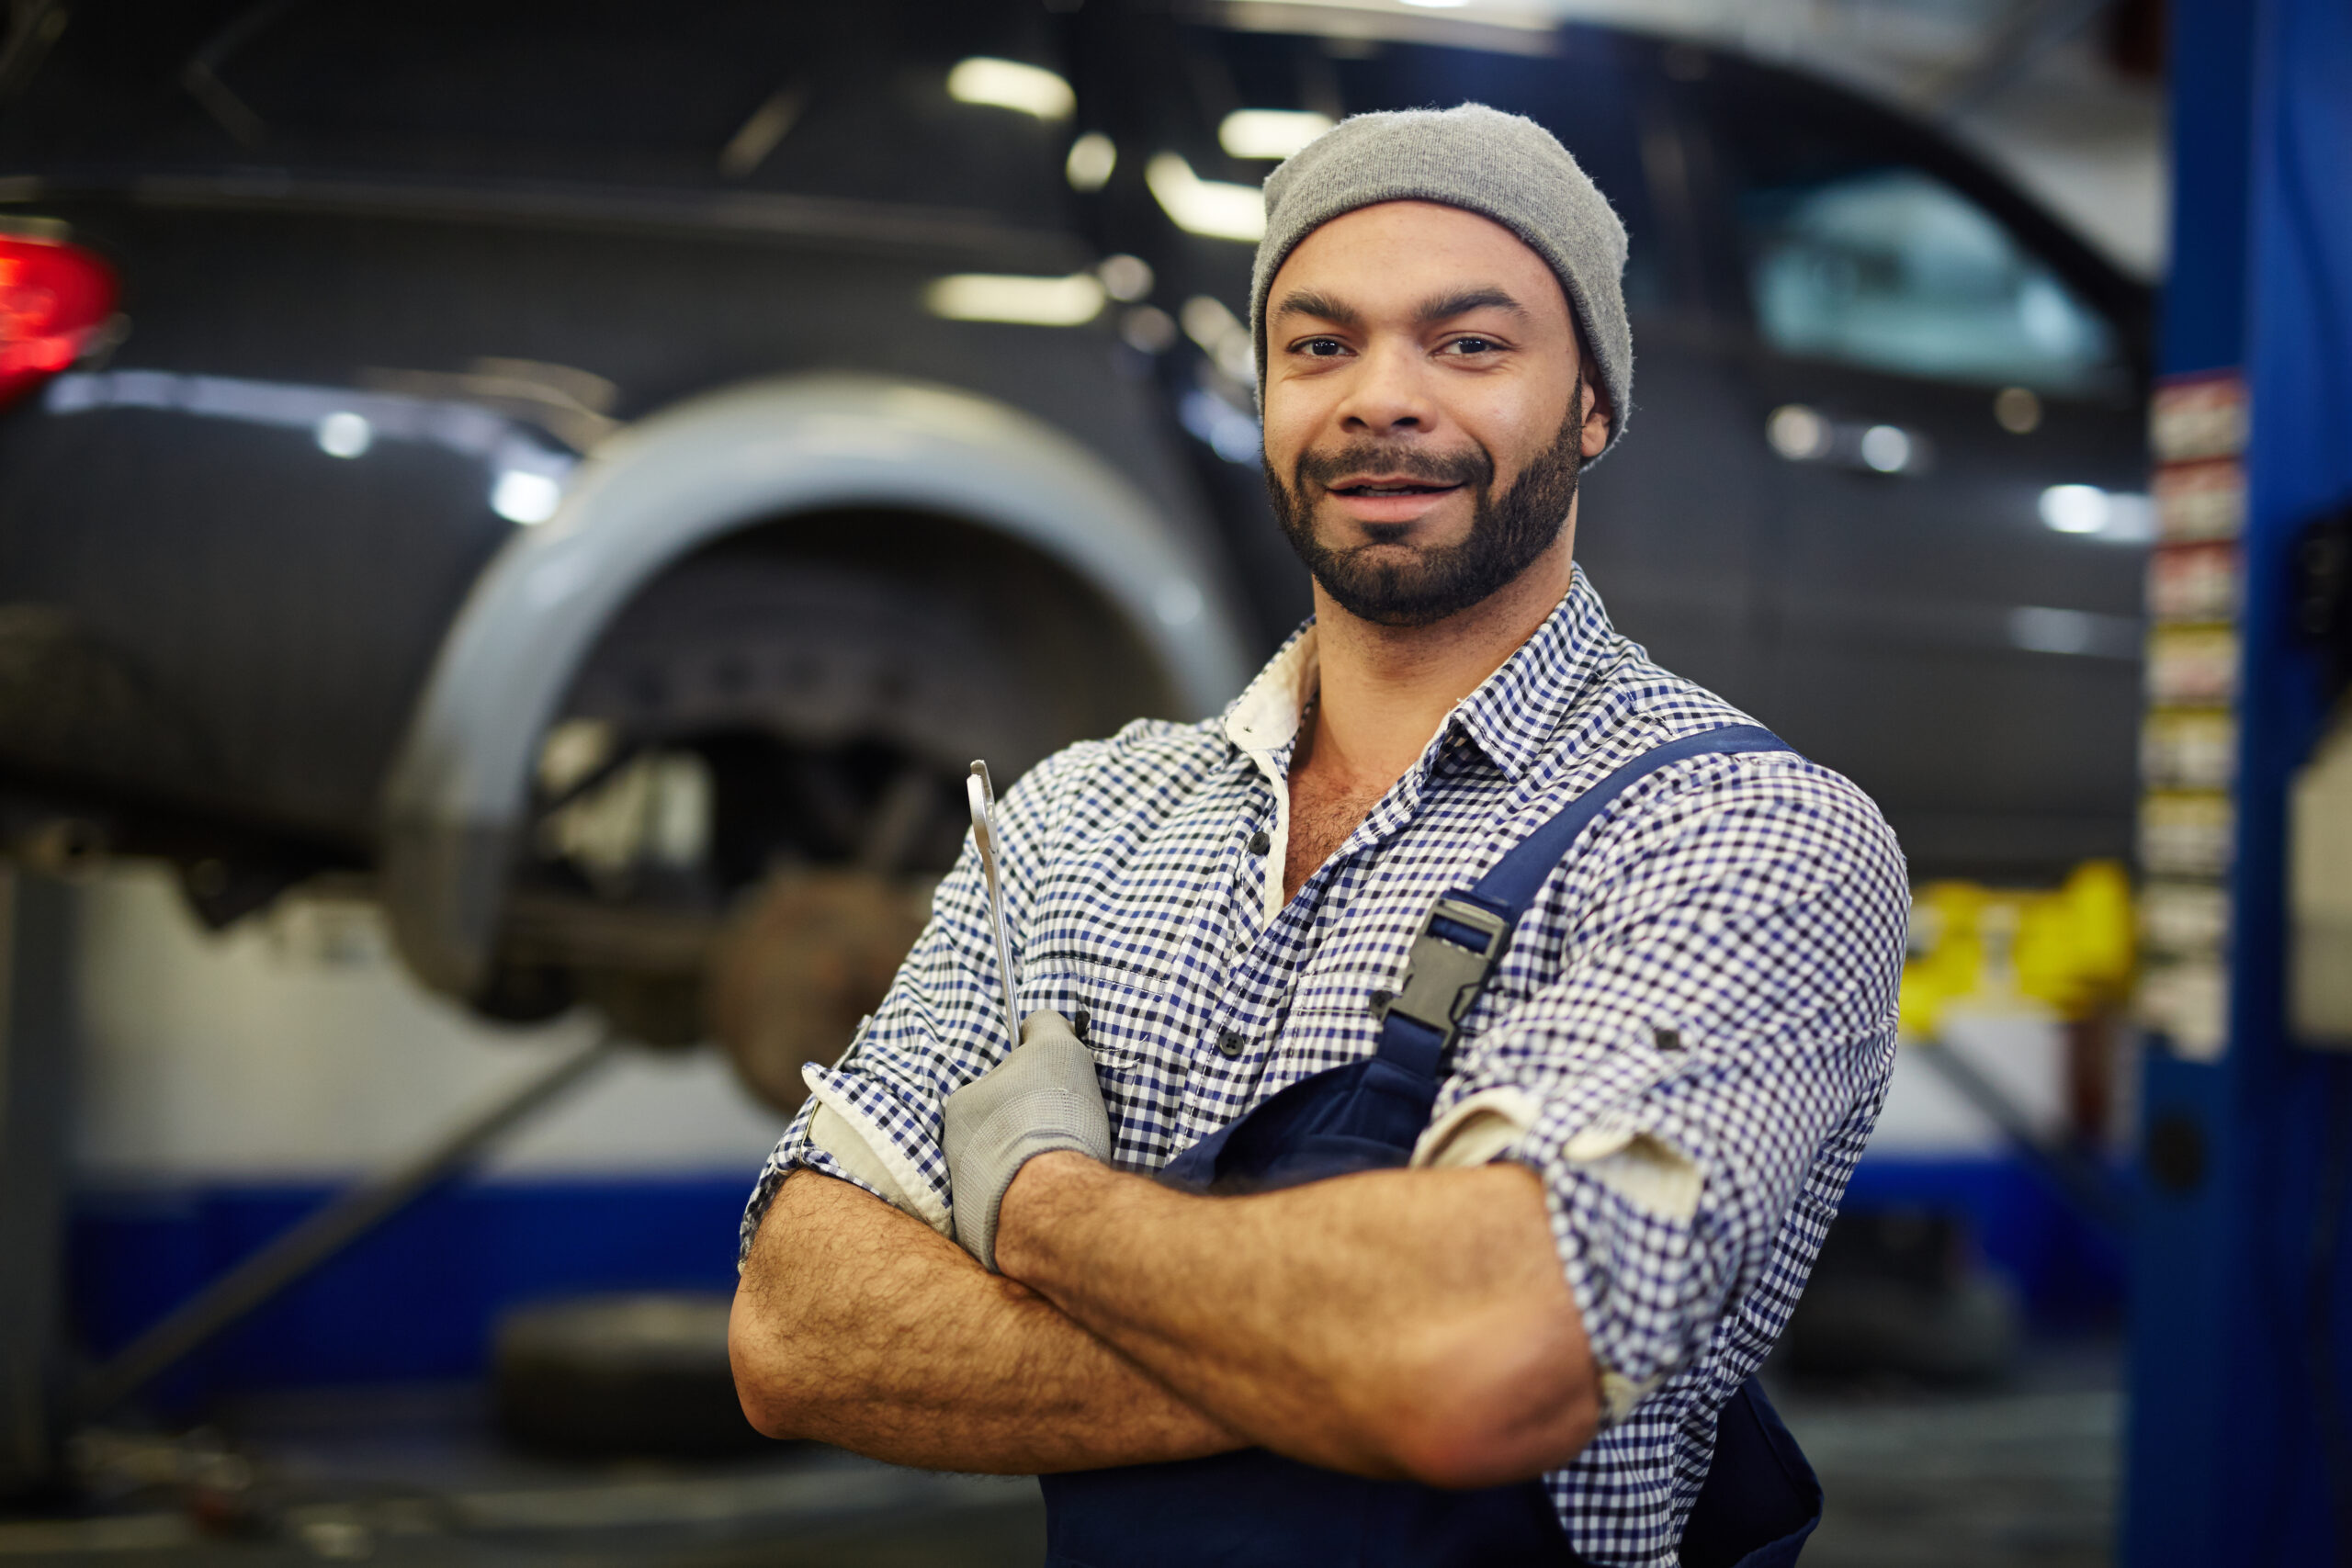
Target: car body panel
(459,790)
(561,242)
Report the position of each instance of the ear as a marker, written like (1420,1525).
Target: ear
(1598,417)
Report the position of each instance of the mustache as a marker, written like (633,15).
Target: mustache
(1472,466)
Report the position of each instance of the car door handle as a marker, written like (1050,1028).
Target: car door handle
(1803,435)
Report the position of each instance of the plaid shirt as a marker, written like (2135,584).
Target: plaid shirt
(1689,1038)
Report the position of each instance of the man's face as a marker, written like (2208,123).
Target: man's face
(1422,434)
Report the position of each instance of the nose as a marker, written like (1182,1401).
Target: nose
(1389,393)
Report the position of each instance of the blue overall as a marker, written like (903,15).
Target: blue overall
(1256,1509)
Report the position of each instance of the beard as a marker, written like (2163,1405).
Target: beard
(1508,531)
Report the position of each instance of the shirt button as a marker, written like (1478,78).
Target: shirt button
(1259,843)
(1230,1044)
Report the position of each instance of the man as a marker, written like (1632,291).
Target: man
(1570,1179)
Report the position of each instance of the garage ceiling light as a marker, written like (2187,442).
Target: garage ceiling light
(1092,158)
(1222,336)
(1069,301)
(1217,208)
(1515,26)
(1010,84)
(1270,133)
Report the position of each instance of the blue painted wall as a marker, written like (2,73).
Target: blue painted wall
(416,1300)
(419,1299)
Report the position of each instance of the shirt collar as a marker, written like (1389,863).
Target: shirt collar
(1512,717)
(1265,716)
(1517,712)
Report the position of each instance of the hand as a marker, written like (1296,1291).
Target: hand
(1041,1098)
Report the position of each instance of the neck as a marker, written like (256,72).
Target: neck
(1386,689)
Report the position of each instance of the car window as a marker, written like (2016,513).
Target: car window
(1854,248)
(1894,269)
(796,96)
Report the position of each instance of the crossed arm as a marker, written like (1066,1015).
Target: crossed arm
(1409,1324)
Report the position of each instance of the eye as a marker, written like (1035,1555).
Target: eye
(1470,346)
(1319,348)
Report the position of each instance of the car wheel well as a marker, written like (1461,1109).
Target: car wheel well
(804,695)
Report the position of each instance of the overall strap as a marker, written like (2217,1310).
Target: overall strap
(1464,933)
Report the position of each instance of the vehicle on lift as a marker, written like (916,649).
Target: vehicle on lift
(571,465)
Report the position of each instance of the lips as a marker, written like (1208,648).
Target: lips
(1387,485)
(1387,503)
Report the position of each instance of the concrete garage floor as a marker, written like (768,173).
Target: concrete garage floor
(417,1476)
(2021,1476)
(2024,1476)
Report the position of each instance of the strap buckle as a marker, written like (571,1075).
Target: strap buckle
(1457,946)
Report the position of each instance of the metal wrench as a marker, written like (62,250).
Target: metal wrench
(982,792)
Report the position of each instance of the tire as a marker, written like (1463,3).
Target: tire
(819,656)
(827,713)
(817,693)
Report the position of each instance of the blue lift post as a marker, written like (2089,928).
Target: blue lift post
(2240,1407)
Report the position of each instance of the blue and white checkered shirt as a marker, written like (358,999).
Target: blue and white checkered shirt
(1688,1039)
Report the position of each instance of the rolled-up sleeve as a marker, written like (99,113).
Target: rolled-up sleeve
(1727,1005)
(872,1118)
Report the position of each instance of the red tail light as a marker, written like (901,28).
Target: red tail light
(54,299)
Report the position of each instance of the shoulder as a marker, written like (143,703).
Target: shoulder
(1777,815)
(1145,769)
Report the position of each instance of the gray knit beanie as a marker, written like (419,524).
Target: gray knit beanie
(1498,165)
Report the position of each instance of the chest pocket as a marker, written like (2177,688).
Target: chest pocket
(1144,1031)
(1330,1021)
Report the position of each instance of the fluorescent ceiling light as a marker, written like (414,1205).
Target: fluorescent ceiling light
(1010,84)
(1092,158)
(1270,133)
(1069,301)
(1517,27)
(1221,334)
(1214,207)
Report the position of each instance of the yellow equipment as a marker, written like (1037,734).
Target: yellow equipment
(2069,950)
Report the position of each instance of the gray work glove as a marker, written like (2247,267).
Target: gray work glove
(1040,1098)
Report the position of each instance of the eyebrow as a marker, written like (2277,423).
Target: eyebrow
(1435,309)
(1321,306)
(1446,307)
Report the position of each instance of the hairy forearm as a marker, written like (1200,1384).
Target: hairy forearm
(857,1325)
(1396,1323)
